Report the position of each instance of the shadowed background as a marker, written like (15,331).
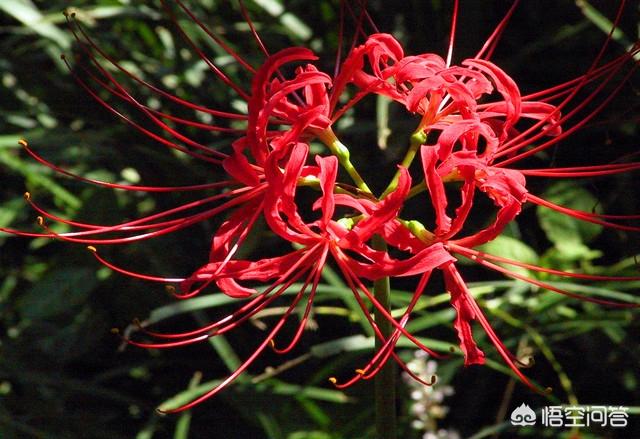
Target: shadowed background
(62,374)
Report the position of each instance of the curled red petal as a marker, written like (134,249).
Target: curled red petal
(259,92)
(428,258)
(233,229)
(467,132)
(435,186)
(281,210)
(384,211)
(238,166)
(233,289)
(327,175)
(383,52)
(465,313)
(505,86)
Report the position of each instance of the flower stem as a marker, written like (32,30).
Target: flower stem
(338,149)
(385,380)
(417,139)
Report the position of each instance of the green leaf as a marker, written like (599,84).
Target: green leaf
(511,248)
(10,141)
(271,386)
(296,26)
(273,7)
(599,292)
(309,435)
(356,343)
(603,23)
(315,412)
(382,120)
(569,235)
(184,422)
(36,177)
(9,210)
(27,13)
(57,293)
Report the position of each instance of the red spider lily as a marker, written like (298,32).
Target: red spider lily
(447,98)
(473,124)
(317,240)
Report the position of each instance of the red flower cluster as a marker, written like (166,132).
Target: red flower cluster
(468,134)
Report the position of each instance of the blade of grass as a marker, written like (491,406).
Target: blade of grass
(34,176)
(335,281)
(271,386)
(543,345)
(221,346)
(269,425)
(28,14)
(603,23)
(184,421)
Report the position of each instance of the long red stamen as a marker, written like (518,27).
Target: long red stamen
(145,222)
(249,309)
(130,273)
(584,216)
(569,131)
(266,342)
(341,23)
(133,101)
(214,37)
(581,171)
(476,255)
(146,84)
(160,114)
(557,91)
(357,285)
(379,360)
(254,32)
(491,43)
(212,66)
(452,35)
(517,142)
(126,187)
(143,130)
(550,287)
(506,355)
(303,321)
(172,227)
(383,354)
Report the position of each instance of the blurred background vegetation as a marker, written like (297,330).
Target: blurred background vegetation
(63,374)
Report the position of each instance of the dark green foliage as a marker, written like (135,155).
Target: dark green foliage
(61,372)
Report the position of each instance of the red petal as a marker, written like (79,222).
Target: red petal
(462,302)
(436,189)
(328,172)
(505,86)
(384,211)
(233,289)
(239,167)
(232,229)
(259,87)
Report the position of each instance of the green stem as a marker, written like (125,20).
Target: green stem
(417,139)
(338,149)
(343,156)
(417,189)
(385,380)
